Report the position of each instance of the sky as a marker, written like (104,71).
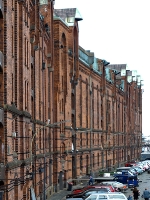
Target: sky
(119,32)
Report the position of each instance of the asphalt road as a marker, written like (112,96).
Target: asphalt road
(145,178)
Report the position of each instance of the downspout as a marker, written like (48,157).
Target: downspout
(91,62)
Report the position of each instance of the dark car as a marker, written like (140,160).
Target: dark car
(88,192)
(79,190)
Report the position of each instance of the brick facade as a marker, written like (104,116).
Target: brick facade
(26,96)
(61,109)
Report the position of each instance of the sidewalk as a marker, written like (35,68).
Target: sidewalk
(62,193)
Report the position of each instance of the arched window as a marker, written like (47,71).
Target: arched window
(81,140)
(93,160)
(98,159)
(80,163)
(122,154)
(87,139)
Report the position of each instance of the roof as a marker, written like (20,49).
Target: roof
(68,15)
(118,67)
(146,152)
(123,167)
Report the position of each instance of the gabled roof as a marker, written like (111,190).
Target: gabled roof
(68,15)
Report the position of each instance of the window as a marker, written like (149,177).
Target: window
(92,197)
(116,196)
(80,163)
(62,104)
(81,140)
(102,197)
(93,160)
(87,139)
(98,159)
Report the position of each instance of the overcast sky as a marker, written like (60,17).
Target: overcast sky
(119,32)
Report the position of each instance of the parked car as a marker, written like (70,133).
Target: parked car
(145,165)
(139,170)
(148,162)
(107,196)
(133,171)
(148,171)
(141,166)
(124,169)
(117,185)
(86,193)
(130,164)
(126,177)
(78,190)
(75,199)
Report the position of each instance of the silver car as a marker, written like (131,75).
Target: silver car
(107,196)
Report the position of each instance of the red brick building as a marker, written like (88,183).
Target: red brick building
(26,89)
(63,113)
(103,102)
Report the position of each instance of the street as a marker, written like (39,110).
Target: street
(145,178)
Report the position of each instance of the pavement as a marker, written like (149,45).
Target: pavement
(62,193)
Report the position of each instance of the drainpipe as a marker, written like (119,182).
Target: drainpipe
(91,61)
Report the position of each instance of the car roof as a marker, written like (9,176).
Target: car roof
(98,187)
(74,199)
(115,194)
(109,182)
(93,189)
(123,167)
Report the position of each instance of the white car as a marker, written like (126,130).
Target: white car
(75,199)
(141,166)
(107,196)
(120,186)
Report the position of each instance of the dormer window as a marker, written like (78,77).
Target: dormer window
(70,19)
